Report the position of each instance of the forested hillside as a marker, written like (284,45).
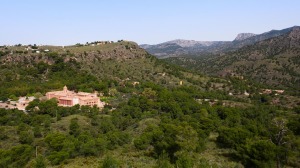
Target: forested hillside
(157,114)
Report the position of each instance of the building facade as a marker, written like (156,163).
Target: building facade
(69,98)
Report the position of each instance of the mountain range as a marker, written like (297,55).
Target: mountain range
(271,58)
(181,47)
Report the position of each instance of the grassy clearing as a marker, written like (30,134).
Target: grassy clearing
(63,124)
(126,157)
(216,157)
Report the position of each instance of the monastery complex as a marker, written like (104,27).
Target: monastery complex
(69,98)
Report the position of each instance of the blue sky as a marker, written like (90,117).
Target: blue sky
(65,22)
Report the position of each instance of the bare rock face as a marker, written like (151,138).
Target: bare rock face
(243,36)
(295,38)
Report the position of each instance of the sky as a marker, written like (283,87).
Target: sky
(67,22)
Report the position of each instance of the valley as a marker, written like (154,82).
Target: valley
(150,84)
(213,110)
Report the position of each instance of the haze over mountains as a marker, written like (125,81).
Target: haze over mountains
(190,47)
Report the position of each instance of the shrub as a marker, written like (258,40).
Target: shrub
(58,157)
(110,162)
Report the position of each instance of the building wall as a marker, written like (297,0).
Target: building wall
(75,101)
(65,102)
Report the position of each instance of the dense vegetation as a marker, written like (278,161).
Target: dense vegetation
(156,123)
(166,125)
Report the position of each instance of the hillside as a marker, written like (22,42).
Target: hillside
(273,61)
(81,67)
(157,114)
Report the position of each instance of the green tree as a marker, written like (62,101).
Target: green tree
(58,157)
(13,97)
(26,137)
(117,138)
(294,125)
(186,138)
(32,105)
(232,137)
(174,139)
(3,134)
(37,132)
(101,145)
(87,145)
(18,156)
(184,160)
(261,153)
(143,141)
(40,162)
(74,127)
(163,161)
(71,146)
(48,107)
(55,141)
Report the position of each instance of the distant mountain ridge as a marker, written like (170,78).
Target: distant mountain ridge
(191,43)
(243,36)
(182,47)
(261,37)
